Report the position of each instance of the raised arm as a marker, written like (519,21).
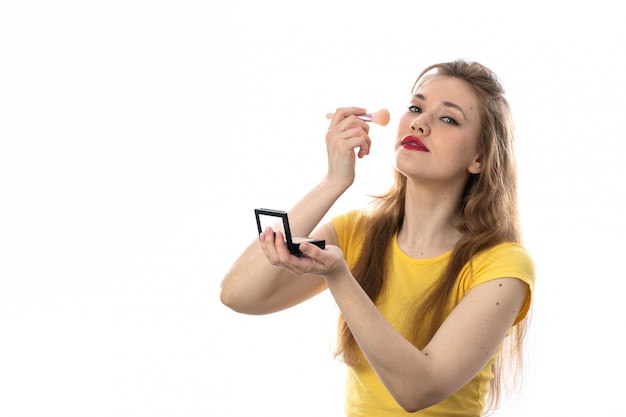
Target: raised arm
(253,285)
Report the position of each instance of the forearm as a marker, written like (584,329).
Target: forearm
(307,213)
(403,369)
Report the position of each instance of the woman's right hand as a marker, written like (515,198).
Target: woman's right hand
(345,134)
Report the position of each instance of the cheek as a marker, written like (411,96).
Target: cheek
(467,153)
(468,142)
(403,124)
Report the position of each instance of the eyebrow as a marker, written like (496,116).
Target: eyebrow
(445,103)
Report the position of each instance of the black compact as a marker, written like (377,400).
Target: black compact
(279,221)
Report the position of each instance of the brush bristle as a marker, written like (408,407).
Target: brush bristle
(381,117)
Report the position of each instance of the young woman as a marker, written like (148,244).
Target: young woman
(432,279)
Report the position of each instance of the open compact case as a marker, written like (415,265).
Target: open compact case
(279,221)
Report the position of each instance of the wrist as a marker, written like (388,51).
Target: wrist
(336,186)
(340,273)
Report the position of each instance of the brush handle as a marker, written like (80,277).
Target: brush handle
(369,117)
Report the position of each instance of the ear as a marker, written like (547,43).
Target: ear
(476,166)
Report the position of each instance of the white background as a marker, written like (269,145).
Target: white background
(137,137)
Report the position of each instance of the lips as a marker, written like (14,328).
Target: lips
(414,144)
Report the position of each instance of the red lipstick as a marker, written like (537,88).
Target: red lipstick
(413,143)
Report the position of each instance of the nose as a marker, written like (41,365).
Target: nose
(420,125)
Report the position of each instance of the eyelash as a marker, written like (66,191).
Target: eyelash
(446,119)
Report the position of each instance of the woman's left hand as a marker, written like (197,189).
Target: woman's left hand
(327,262)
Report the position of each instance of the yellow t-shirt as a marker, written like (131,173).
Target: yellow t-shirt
(366,396)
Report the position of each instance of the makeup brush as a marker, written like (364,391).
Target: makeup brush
(381,117)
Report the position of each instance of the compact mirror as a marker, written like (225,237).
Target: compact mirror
(279,222)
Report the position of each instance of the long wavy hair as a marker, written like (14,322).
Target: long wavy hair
(487,216)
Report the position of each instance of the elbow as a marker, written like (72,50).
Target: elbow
(415,391)
(231,299)
(229,296)
(413,405)
(226,298)
(239,301)
(412,401)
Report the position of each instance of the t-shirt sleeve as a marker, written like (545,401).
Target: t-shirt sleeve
(507,260)
(350,228)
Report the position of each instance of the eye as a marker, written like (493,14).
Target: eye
(449,120)
(414,109)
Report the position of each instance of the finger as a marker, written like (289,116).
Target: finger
(340,134)
(357,138)
(341,113)
(307,249)
(286,260)
(321,258)
(350,121)
(268,246)
(281,248)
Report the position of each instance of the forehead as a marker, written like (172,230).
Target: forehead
(439,89)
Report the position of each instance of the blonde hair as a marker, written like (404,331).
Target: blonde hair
(487,216)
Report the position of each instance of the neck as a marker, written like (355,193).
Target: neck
(428,227)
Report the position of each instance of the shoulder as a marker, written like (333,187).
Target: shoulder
(351,228)
(350,218)
(351,223)
(506,259)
